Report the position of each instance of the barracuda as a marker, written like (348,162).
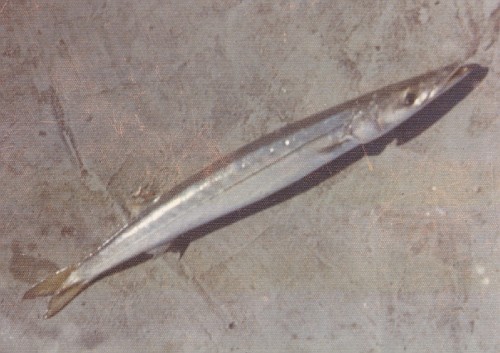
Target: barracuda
(252,173)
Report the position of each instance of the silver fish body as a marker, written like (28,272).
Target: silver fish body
(252,173)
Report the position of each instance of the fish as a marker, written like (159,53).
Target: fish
(250,174)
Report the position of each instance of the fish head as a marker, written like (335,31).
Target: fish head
(378,112)
(398,102)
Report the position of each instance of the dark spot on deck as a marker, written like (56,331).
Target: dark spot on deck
(27,268)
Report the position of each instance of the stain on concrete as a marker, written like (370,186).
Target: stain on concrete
(27,268)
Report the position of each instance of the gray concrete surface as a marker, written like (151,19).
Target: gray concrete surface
(106,104)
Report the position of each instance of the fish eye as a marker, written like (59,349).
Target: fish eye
(409,98)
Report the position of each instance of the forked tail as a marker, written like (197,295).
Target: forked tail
(58,287)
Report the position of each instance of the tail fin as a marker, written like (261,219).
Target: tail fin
(55,285)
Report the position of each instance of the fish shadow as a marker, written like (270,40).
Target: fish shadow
(407,131)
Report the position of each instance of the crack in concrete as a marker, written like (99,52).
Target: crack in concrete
(89,178)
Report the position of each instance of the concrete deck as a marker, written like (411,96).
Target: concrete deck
(106,105)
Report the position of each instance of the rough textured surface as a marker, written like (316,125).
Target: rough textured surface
(107,104)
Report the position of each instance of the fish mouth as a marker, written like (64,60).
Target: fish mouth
(458,73)
(450,76)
